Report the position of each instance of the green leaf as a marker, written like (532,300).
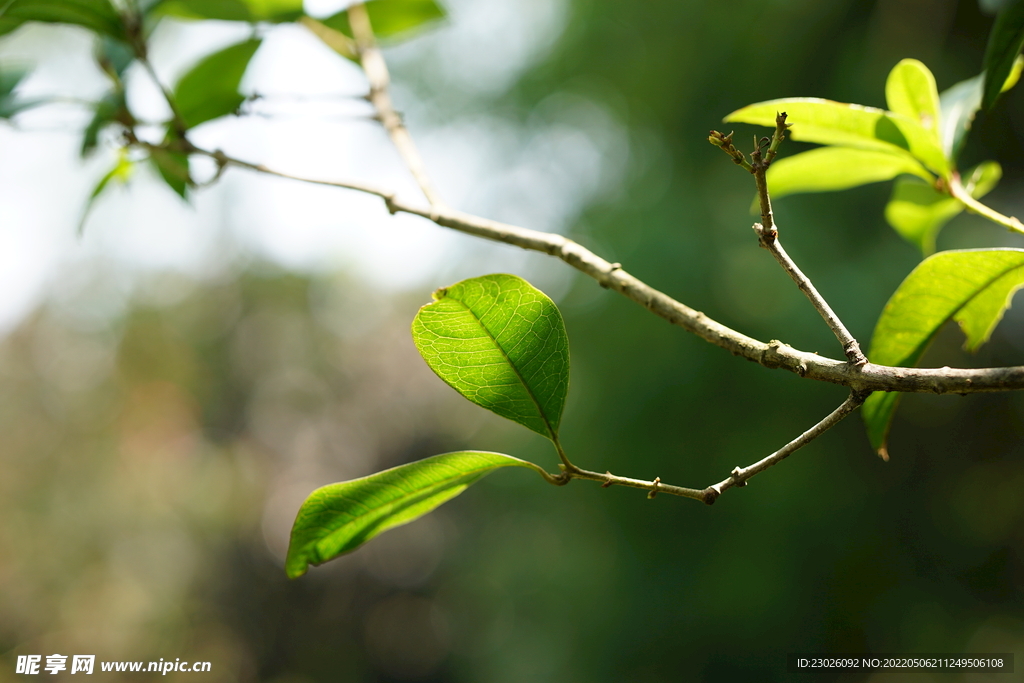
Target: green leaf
(274,10)
(98,16)
(122,172)
(849,125)
(973,286)
(173,168)
(10,78)
(110,109)
(501,343)
(918,212)
(1004,44)
(391,17)
(233,10)
(338,518)
(961,103)
(210,89)
(838,168)
(910,90)
(224,10)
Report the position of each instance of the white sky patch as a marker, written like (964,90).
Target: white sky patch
(311,122)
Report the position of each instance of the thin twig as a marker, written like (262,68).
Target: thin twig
(957,190)
(740,475)
(770,241)
(768,237)
(774,354)
(380,81)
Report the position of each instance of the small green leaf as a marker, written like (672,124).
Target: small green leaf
(972,286)
(961,103)
(122,172)
(110,109)
(838,168)
(918,212)
(1004,44)
(338,518)
(910,90)
(98,16)
(391,17)
(10,78)
(501,343)
(173,168)
(849,125)
(210,89)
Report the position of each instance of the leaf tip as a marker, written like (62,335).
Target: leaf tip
(883,453)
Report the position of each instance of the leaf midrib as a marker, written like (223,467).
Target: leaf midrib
(519,376)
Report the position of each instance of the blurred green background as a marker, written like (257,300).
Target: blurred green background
(152,461)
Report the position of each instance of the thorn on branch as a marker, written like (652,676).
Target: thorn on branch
(654,491)
(609,482)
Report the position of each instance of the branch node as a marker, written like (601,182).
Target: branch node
(654,491)
(737,475)
(609,482)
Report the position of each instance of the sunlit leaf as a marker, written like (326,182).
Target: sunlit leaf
(973,286)
(98,16)
(1004,44)
(391,17)
(173,167)
(224,10)
(338,518)
(210,89)
(850,125)
(918,212)
(274,10)
(910,90)
(961,103)
(121,172)
(233,10)
(838,168)
(501,343)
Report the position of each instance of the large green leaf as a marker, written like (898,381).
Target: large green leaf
(974,287)
(210,89)
(96,15)
(961,103)
(918,212)
(501,343)
(910,90)
(338,518)
(849,125)
(838,168)
(391,17)
(1004,44)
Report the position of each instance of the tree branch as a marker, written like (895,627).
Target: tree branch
(770,241)
(774,354)
(739,476)
(380,80)
(768,233)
